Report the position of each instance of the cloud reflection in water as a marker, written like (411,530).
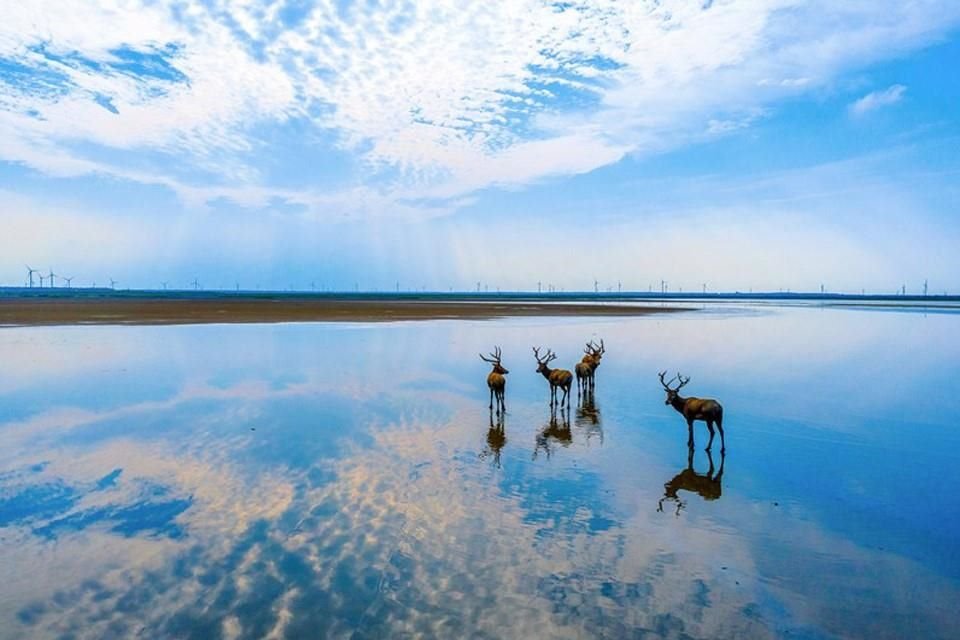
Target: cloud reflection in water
(272,499)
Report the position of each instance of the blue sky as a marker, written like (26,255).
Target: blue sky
(758,144)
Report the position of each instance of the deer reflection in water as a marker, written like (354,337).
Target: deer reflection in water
(707,486)
(588,418)
(555,432)
(496,438)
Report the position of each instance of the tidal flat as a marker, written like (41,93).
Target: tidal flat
(347,479)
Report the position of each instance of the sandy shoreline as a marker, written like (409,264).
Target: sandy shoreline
(66,311)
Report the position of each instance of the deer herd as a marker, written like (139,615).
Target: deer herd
(707,486)
(561,380)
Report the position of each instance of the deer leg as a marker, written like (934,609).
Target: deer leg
(710,428)
(689,433)
(723,444)
(491,397)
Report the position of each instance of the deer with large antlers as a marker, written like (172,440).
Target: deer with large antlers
(496,381)
(558,378)
(587,367)
(692,409)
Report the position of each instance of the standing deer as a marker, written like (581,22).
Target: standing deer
(708,486)
(692,409)
(587,367)
(496,381)
(558,378)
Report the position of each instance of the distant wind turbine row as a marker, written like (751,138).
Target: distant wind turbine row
(51,279)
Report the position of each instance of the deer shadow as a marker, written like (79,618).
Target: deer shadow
(588,418)
(706,485)
(496,438)
(555,432)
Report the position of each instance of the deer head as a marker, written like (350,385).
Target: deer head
(543,361)
(494,359)
(595,351)
(672,393)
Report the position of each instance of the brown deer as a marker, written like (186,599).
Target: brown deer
(558,378)
(706,486)
(587,367)
(496,381)
(692,409)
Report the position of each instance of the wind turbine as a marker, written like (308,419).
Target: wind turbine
(196,284)
(113,283)
(51,276)
(67,280)
(30,272)
(41,279)
(164,285)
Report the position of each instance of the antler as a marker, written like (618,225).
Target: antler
(593,349)
(550,356)
(666,385)
(682,380)
(494,357)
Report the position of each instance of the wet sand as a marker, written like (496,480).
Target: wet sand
(154,311)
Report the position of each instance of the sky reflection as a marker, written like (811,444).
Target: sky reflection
(309,480)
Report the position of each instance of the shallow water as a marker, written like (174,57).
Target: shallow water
(329,480)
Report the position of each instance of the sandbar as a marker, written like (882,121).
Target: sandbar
(28,311)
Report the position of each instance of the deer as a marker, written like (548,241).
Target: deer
(692,409)
(496,381)
(708,486)
(587,366)
(558,378)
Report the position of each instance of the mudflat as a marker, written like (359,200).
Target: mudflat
(66,311)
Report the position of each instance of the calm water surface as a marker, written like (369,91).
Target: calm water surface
(333,480)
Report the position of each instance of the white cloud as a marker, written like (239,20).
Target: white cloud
(878,99)
(433,99)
